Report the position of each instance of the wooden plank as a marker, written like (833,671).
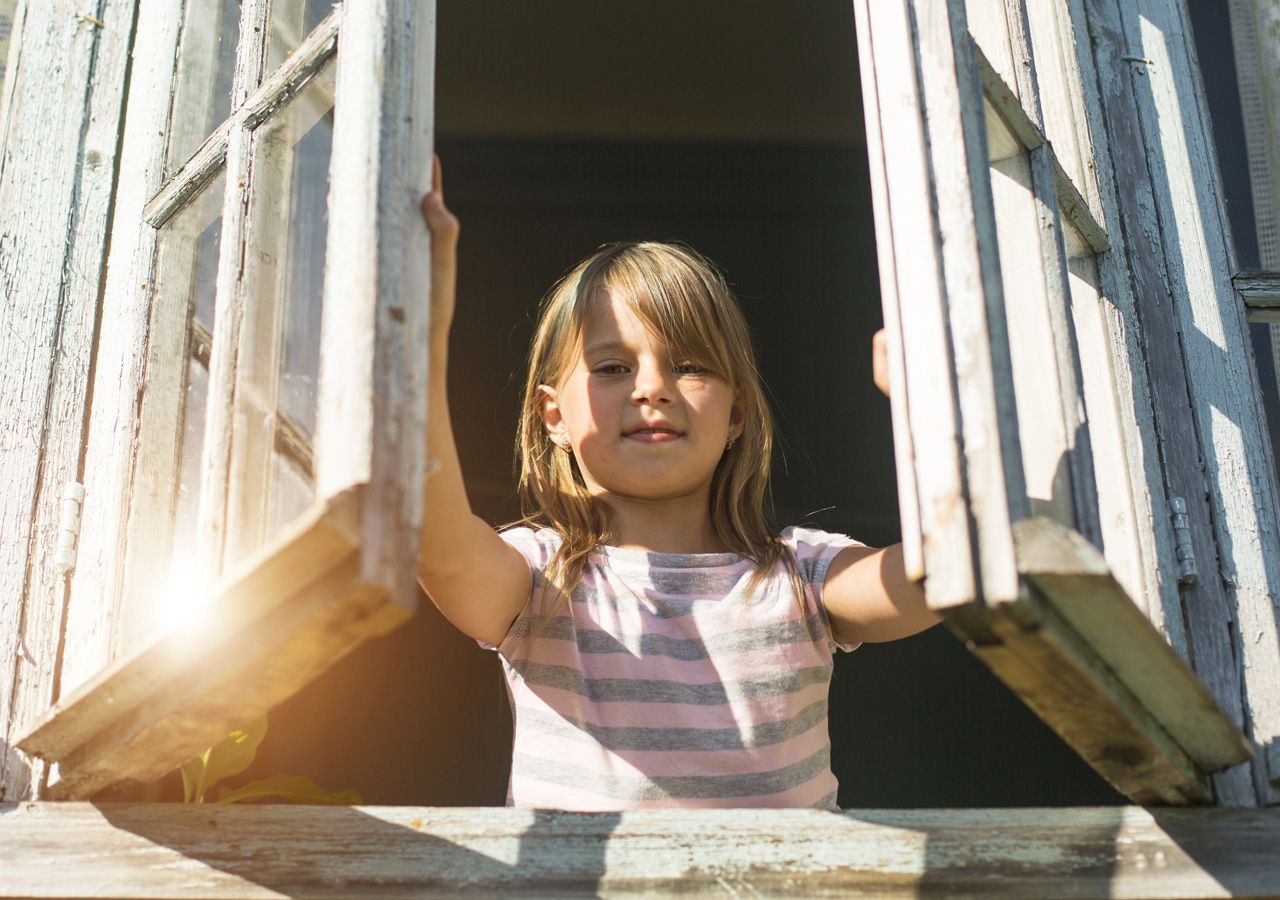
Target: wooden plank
(1236,646)
(62,106)
(1255,30)
(289,614)
(1261,294)
(890,301)
(1072,577)
(1046,664)
(119,367)
(167,850)
(1138,533)
(911,268)
(1135,140)
(371,426)
(993,472)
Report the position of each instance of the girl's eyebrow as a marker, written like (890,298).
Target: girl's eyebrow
(605,347)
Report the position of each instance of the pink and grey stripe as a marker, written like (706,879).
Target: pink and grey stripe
(663,683)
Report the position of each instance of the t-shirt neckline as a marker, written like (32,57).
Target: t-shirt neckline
(654,560)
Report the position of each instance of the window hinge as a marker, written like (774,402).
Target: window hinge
(1187,573)
(64,554)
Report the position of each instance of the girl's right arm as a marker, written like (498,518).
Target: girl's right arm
(478,580)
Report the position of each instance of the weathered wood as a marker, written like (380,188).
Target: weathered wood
(168,850)
(891,302)
(371,425)
(120,362)
(61,116)
(1255,28)
(1138,531)
(285,617)
(1235,645)
(1134,142)
(1073,577)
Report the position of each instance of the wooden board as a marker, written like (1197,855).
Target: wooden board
(59,120)
(289,614)
(168,850)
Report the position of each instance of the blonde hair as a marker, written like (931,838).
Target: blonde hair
(683,297)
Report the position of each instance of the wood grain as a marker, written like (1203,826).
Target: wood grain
(167,850)
(62,105)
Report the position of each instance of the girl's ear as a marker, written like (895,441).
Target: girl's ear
(737,417)
(549,410)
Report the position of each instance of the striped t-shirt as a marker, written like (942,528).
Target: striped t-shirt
(665,684)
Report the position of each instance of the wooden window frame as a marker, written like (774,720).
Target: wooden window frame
(139,703)
(1033,597)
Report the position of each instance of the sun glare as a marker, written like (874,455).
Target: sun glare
(183,599)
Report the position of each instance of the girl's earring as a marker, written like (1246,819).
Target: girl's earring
(564,445)
(728,445)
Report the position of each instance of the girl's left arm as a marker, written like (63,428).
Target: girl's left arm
(869,598)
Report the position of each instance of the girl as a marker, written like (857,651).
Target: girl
(662,646)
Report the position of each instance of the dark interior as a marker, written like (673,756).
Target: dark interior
(735,128)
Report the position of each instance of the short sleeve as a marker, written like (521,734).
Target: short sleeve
(537,546)
(815,550)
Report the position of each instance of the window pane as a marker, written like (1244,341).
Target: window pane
(1037,388)
(181,337)
(291,22)
(7,8)
(280,358)
(206,62)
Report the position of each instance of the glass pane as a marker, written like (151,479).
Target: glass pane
(280,358)
(7,8)
(1037,387)
(206,62)
(291,22)
(182,326)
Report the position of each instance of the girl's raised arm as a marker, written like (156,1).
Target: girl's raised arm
(479,581)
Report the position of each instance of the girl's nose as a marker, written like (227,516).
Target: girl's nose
(652,385)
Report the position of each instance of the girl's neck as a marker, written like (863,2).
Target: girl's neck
(678,525)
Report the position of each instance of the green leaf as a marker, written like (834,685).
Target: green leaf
(230,756)
(291,789)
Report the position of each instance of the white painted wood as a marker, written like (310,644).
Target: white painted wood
(1255,29)
(1224,391)
(62,103)
(120,371)
(166,850)
(952,92)
(898,151)
(1140,497)
(372,408)
(212,523)
(903,445)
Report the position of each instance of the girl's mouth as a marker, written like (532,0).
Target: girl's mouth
(652,435)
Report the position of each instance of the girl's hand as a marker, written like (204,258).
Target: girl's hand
(444,228)
(880,361)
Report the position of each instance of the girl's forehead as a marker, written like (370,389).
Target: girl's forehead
(611,319)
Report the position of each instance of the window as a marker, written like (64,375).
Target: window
(1018,411)
(259,406)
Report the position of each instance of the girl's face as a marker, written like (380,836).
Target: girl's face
(641,424)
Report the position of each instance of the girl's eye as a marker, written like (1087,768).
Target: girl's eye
(610,369)
(690,369)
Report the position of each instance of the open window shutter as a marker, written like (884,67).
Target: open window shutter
(988,249)
(308,522)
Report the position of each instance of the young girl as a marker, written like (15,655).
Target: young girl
(662,646)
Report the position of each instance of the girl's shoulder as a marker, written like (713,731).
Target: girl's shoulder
(814,549)
(536,544)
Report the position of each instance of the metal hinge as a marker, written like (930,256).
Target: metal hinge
(64,553)
(1187,573)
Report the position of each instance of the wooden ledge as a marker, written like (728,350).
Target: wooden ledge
(171,850)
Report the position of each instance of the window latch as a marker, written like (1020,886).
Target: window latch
(64,554)
(1187,573)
